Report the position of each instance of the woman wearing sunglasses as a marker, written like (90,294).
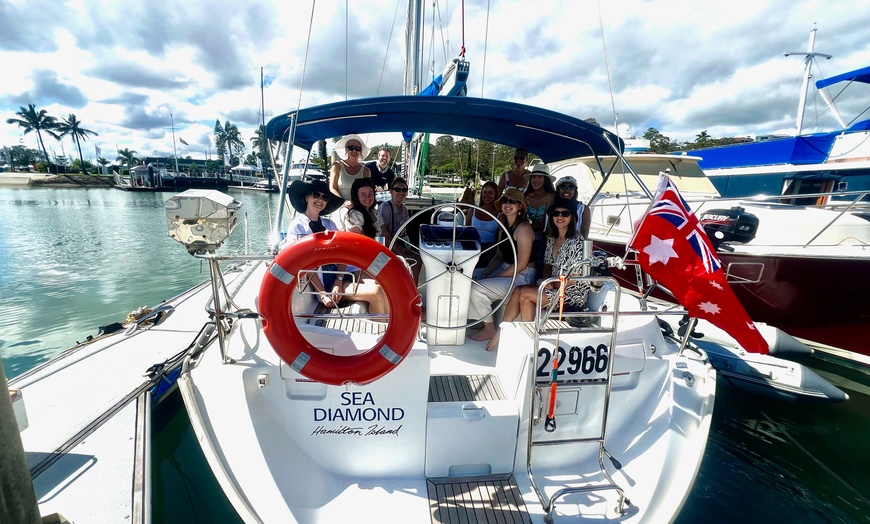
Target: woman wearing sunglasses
(494,282)
(566,187)
(564,248)
(351,150)
(394,213)
(313,202)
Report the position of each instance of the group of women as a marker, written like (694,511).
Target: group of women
(350,187)
(545,222)
(547,225)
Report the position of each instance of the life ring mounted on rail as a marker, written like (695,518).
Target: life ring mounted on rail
(331,247)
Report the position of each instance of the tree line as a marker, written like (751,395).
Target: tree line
(462,158)
(227,140)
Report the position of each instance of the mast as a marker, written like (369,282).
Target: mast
(413,77)
(809,58)
(174,150)
(263,124)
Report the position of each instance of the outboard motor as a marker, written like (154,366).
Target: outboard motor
(729,225)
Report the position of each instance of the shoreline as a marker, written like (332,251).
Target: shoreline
(24,180)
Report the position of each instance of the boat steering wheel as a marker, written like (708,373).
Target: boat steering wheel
(452,267)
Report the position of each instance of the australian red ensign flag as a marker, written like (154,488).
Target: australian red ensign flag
(673,248)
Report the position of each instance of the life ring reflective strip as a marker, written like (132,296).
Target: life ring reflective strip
(339,247)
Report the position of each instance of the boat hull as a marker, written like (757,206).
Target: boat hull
(817,298)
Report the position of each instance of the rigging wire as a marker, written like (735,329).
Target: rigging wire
(485,42)
(607,68)
(291,131)
(387,53)
(445,42)
(346,51)
(462,48)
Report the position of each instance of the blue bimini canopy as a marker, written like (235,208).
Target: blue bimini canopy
(550,135)
(859,75)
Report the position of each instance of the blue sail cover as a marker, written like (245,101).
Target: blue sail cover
(806,149)
(550,135)
(859,75)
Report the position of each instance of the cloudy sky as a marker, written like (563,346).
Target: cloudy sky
(122,67)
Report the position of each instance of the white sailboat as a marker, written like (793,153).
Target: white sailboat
(311,416)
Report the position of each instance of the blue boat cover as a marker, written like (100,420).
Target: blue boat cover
(807,149)
(550,135)
(858,75)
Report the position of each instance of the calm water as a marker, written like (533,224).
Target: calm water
(72,260)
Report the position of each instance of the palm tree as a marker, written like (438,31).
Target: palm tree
(220,140)
(228,139)
(72,126)
(258,144)
(39,121)
(127,157)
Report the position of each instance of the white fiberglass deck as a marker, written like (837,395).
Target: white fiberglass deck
(287,449)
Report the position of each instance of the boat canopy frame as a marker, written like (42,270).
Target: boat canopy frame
(550,135)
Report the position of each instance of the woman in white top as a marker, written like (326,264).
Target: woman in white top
(312,202)
(351,150)
(515,178)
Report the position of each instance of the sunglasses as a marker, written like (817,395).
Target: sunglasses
(563,187)
(354,148)
(564,213)
(519,158)
(318,195)
(510,201)
(400,189)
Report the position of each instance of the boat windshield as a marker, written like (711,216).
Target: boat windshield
(683,171)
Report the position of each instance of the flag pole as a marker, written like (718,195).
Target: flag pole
(174,150)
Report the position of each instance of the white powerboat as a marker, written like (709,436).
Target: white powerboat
(312,415)
(779,258)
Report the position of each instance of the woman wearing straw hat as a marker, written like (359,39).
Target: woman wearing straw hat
(351,150)
(313,202)
(539,196)
(496,278)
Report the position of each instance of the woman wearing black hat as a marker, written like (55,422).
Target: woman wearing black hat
(564,248)
(312,202)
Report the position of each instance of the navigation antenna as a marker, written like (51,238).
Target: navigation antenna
(809,58)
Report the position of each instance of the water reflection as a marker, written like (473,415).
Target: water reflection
(72,260)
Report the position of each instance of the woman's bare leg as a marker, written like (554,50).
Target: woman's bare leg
(529,302)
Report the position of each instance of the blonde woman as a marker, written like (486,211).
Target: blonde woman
(351,150)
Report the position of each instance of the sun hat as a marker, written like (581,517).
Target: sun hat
(342,152)
(565,203)
(298,190)
(540,169)
(566,178)
(514,194)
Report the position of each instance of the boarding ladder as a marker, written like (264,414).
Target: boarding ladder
(599,319)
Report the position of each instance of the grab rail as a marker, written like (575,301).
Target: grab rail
(549,503)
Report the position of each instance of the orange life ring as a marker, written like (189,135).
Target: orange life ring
(331,247)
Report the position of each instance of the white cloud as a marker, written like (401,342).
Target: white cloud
(677,65)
